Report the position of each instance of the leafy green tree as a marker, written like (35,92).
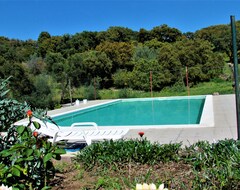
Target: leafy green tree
(43,43)
(21,84)
(120,34)
(162,66)
(144,35)
(54,63)
(35,65)
(97,64)
(203,64)
(153,44)
(144,52)
(84,41)
(76,70)
(65,46)
(122,78)
(120,54)
(219,36)
(42,97)
(164,33)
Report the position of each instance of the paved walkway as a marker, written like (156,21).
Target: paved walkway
(224,117)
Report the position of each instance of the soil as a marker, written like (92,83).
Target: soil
(175,175)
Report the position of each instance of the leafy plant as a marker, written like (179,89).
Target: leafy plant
(25,158)
(124,151)
(10,110)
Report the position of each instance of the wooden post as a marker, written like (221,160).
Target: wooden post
(151,83)
(95,94)
(70,92)
(188,90)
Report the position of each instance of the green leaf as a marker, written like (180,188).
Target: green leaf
(36,125)
(45,188)
(60,151)
(29,152)
(15,188)
(16,171)
(20,129)
(30,158)
(47,157)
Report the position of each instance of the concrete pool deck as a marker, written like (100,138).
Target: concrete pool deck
(225,126)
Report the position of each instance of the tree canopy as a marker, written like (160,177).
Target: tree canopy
(118,57)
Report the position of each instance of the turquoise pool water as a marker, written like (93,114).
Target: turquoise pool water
(130,112)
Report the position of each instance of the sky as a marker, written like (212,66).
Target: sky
(26,19)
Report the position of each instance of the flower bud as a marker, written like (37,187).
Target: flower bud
(139,186)
(145,186)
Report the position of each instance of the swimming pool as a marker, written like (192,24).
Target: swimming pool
(144,112)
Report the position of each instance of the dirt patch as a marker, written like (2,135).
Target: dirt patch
(73,176)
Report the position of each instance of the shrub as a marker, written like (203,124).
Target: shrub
(125,151)
(25,159)
(10,110)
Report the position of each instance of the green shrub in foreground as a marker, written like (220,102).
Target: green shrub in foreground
(125,151)
(212,165)
(25,159)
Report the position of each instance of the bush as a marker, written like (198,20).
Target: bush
(25,157)
(124,151)
(10,110)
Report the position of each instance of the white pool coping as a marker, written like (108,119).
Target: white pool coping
(207,117)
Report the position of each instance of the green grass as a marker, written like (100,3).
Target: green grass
(219,86)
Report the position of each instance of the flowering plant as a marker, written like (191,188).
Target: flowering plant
(141,133)
(151,186)
(3,187)
(26,157)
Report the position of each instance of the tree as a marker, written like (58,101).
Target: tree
(76,70)
(97,64)
(84,41)
(120,53)
(122,78)
(42,96)
(120,34)
(35,65)
(144,52)
(53,60)
(164,33)
(203,64)
(43,43)
(143,35)
(153,44)
(20,84)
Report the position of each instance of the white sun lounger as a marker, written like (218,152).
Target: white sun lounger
(82,132)
(89,135)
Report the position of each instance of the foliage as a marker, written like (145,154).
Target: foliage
(42,97)
(123,151)
(216,165)
(10,110)
(204,165)
(122,78)
(75,60)
(91,93)
(25,159)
